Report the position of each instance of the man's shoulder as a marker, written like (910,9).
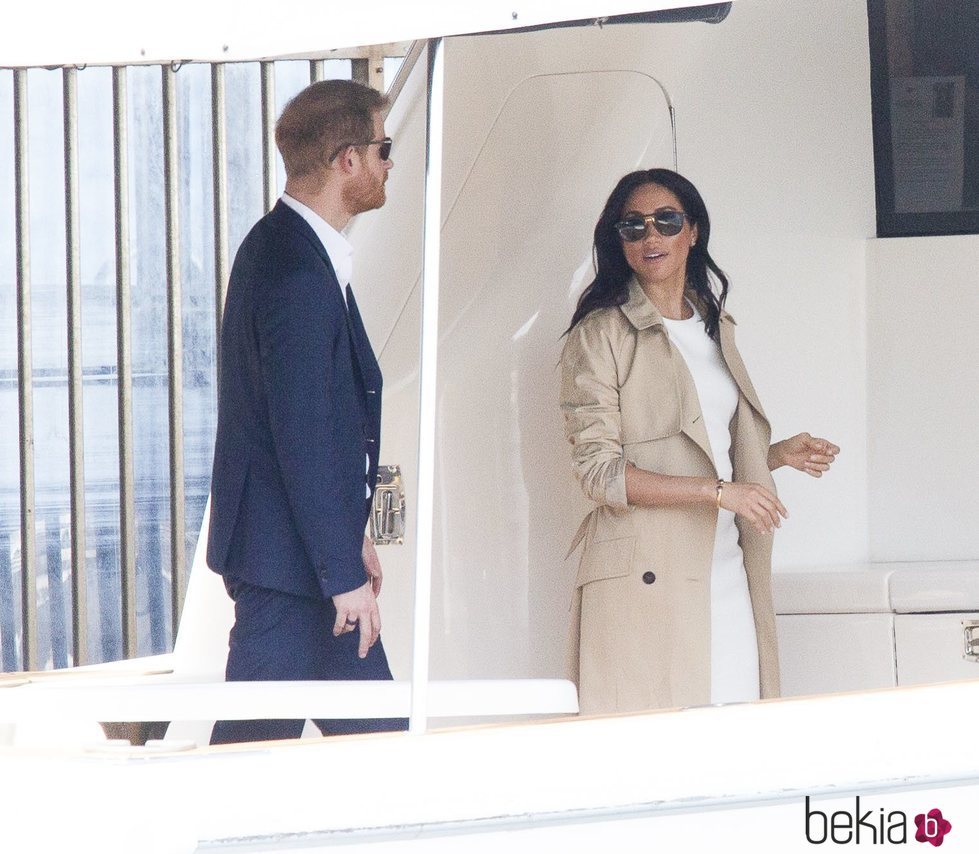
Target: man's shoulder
(279,245)
(282,230)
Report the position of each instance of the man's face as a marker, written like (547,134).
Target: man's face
(366,191)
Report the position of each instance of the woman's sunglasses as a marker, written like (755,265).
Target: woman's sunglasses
(384,152)
(667,222)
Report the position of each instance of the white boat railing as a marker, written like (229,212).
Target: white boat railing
(105,697)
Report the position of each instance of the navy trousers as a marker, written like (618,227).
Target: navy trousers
(278,636)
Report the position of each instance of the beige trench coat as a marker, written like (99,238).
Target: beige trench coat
(640,634)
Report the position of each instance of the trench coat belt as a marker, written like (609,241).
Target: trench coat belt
(579,535)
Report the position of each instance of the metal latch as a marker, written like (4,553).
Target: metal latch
(970,629)
(388,512)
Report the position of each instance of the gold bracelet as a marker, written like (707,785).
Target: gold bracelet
(720,489)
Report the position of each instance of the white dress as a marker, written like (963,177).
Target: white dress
(733,644)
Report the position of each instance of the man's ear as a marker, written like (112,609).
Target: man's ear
(348,160)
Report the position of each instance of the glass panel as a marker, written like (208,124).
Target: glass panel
(925,73)
(290,79)
(50,364)
(244,126)
(337,69)
(9,461)
(392,64)
(197,273)
(98,334)
(149,358)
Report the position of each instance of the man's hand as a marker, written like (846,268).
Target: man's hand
(358,607)
(372,565)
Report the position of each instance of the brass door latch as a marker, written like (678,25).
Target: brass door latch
(388,512)
(970,629)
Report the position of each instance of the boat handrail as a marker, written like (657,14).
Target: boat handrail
(404,72)
(115,699)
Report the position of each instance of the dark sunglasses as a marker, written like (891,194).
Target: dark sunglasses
(384,152)
(667,222)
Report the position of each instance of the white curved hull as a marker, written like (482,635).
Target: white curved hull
(636,780)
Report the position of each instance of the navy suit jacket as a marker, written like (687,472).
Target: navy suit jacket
(299,406)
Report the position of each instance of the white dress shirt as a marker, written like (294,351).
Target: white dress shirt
(336,245)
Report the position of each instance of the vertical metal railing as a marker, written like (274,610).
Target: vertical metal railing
(28,538)
(127,479)
(175,347)
(76,444)
(268,134)
(219,144)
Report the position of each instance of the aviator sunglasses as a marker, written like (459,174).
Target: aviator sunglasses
(669,223)
(384,152)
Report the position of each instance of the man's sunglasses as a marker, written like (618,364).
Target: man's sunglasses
(384,152)
(667,222)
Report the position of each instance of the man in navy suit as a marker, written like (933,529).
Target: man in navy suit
(299,418)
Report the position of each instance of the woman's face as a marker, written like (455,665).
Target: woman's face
(655,258)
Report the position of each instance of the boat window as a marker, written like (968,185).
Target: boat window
(925,86)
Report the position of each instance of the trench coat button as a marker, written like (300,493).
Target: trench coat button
(648,577)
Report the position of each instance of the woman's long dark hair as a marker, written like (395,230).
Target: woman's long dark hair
(611,283)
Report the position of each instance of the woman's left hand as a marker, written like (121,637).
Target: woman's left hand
(803,452)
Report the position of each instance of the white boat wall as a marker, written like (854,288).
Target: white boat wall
(773,124)
(539,126)
(565,113)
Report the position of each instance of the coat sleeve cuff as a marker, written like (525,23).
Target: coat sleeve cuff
(335,582)
(615,486)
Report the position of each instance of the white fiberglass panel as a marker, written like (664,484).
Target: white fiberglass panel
(929,648)
(824,653)
(516,254)
(535,139)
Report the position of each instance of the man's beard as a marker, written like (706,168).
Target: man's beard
(366,195)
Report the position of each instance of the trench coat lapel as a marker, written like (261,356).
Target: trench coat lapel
(692,417)
(644,315)
(735,365)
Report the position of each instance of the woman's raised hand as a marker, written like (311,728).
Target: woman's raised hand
(755,503)
(805,453)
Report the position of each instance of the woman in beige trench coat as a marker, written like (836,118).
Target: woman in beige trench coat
(642,450)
